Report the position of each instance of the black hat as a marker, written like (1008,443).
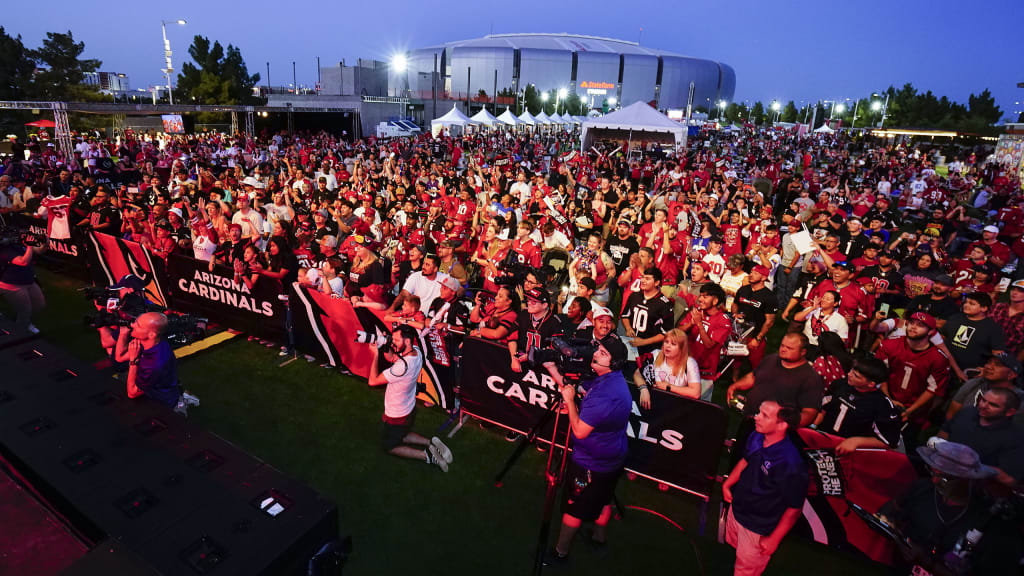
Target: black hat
(945,280)
(539,294)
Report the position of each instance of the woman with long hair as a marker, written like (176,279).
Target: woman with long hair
(675,370)
(366,277)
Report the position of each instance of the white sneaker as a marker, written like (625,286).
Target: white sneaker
(443,450)
(32,329)
(189,399)
(437,458)
(181,408)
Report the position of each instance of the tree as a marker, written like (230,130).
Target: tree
(16,68)
(532,98)
(789,112)
(757,112)
(63,77)
(219,75)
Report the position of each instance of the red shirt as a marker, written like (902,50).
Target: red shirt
(913,373)
(527,252)
(1000,251)
(707,354)
(731,241)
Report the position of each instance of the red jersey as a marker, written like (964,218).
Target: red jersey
(913,373)
(527,252)
(731,240)
(854,300)
(464,211)
(1000,251)
(57,223)
(707,354)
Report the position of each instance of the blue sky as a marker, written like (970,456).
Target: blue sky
(780,50)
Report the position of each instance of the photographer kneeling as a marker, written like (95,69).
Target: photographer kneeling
(400,400)
(599,449)
(152,367)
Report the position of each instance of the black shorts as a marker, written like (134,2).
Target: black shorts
(395,430)
(586,492)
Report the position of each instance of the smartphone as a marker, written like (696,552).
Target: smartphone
(884,308)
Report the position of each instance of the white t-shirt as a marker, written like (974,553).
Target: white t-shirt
(337,287)
(663,373)
(202,247)
(251,223)
(425,288)
(400,395)
(815,325)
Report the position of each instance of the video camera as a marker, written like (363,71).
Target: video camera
(10,235)
(572,355)
(513,272)
(113,311)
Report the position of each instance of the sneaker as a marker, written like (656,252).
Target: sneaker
(190,399)
(435,457)
(181,408)
(443,450)
(555,560)
(32,329)
(512,436)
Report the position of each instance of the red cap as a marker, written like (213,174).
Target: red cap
(924,318)
(762,270)
(704,265)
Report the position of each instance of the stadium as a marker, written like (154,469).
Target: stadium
(591,67)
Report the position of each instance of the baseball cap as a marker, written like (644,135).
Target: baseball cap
(176,211)
(991,228)
(1018,284)
(450,282)
(323,213)
(306,225)
(704,265)
(361,240)
(1008,360)
(924,318)
(130,281)
(760,269)
(539,294)
(601,311)
(235,225)
(588,282)
(945,280)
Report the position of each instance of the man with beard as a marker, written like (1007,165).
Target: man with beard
(887,279)
(938,304)
(918,373)
(757,306)
(230,250)
(1000,371)
(603,328)
(622,245)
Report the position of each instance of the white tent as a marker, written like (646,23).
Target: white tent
(556,119)
(484,117)
(509,118)
(569,119)
(542,118)
(638,121)
(824,129)
(527,118)
(453,118)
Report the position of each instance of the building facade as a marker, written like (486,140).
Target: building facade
(596,69)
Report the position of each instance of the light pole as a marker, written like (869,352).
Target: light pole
(876,106)
(562,93)
(167,56)
(399,64)
(776,107)
(721,109)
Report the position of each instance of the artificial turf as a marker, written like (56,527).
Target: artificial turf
(407,517)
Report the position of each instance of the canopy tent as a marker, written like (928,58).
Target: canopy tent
(453,118)
(484,117)
(569,119)
(509,118)
(527,118)
(542,118)
(556,119)
(824,129)
(638,121)
(42,124)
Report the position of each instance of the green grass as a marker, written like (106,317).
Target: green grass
(407,517)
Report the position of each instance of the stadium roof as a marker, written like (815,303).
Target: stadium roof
(559,41)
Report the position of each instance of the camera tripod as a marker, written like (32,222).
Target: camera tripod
(552,476)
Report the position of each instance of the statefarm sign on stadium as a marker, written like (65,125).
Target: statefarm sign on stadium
(597,85)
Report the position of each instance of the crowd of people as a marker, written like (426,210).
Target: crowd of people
(893,276)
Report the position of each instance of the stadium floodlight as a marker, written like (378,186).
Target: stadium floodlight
(839,108)
(612,101)
(776,106)
(876,105)
(722,104)
(562,92)
(399,62)
(543,96)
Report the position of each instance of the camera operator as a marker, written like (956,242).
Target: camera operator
(536,327)
(950,524)
(18,281)
(122,299)
(599,449)
(400,400)
(152,367)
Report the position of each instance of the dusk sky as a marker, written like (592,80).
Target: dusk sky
(780,50)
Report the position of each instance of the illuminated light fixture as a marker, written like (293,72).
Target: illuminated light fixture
(399,62)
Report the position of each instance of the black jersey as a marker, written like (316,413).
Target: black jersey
(849,413)
(755,305)
(536,335)
(648,317)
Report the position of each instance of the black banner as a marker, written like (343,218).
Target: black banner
(69,252)
(678,442)
(216,295)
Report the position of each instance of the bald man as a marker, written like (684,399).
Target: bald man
(152,368)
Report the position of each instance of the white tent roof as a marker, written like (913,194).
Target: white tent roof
(484,117)
(509,118)
(637,119)
(568,119)
(453,117)
(542,118)
(527,118)
(823,129)
(556,119)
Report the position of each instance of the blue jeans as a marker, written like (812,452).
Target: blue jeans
(785,285)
